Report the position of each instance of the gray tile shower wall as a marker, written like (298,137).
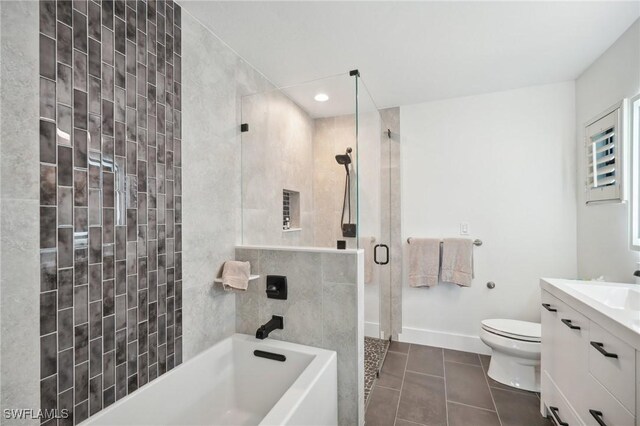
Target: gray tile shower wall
(19,207)
(277,155)
(110,200)
(392,312)
(322,310)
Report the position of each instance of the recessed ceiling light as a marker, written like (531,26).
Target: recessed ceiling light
(321,97)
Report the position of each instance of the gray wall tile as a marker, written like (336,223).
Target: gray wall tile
(83,269)
(312,297)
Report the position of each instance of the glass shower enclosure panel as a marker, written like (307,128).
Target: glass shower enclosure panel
(374,233)
(315,166)
(293,186)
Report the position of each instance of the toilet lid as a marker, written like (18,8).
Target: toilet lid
(521,330)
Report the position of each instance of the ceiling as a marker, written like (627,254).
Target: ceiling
(411,52)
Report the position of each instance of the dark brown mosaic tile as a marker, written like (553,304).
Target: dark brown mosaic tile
(48,18)
(65,44)
(95,23)
(81,345)
(47,57)
(80,109)
(65,370)
(80,304)
(107,13)
(80,31)
(47,99)
(109,191)
(65,402)
(48,392)
(79,70)
(80,5)
(95,56)
(47,141)
(81,378)
(80,188)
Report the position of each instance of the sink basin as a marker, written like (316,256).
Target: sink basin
(616,297)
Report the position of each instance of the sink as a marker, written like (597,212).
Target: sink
(614,296)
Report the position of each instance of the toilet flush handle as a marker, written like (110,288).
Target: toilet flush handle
(491,285)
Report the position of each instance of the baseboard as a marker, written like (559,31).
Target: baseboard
(371,329)
(440,339)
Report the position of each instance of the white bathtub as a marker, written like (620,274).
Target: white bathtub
(229,385)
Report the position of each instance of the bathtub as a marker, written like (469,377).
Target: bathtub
(229,385)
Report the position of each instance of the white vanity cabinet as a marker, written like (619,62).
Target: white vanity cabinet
(590,369)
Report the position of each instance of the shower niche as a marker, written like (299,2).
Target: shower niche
(290,211)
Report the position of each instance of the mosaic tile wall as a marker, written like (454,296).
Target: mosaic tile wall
(110,196)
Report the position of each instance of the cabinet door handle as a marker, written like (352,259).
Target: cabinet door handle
(556,416)
(600,348)
(598,416)
(569,324)
(549,308)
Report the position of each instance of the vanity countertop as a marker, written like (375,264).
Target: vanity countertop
(614,306)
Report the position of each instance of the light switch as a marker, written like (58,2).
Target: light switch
(464,228)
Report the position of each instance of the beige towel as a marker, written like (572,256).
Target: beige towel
(424,262)
(457,261)
(235,275)
(367,243)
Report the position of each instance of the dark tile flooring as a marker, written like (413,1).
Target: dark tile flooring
(423,385)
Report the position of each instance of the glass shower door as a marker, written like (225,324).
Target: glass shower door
(374,228)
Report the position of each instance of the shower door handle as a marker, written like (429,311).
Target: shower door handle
(375,254)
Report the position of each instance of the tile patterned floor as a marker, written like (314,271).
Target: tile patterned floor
(423,385)
(374,351)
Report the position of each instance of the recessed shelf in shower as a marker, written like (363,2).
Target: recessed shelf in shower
(290,210)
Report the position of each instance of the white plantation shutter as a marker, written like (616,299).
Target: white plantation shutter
(604,158)
(635,173)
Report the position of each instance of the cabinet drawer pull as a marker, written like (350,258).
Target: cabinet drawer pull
(569,324)
(549,308)
(556,416)
(600,348)
(598,416)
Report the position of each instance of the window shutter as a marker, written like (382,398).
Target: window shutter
(604,158)
(635,173)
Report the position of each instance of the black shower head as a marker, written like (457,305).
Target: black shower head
(345,158)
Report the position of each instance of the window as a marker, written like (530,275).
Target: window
(604,153)
(635,173)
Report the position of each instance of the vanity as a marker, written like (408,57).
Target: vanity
(590,369)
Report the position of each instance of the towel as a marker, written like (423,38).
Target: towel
(367,243)
(424,262)
(235,275)
(457,261)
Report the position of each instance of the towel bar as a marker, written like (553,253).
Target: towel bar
(251,278)
(475,242)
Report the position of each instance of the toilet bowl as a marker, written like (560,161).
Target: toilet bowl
(515,360)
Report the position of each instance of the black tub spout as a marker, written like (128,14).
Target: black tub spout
(275,323)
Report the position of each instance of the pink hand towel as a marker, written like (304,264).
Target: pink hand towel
(424,262)
(235,275)
(457,261)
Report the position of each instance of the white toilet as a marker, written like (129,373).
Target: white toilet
(515,360)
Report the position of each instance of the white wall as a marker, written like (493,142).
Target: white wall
(603,230)
(505,164)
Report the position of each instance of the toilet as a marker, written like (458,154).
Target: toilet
(515,360)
